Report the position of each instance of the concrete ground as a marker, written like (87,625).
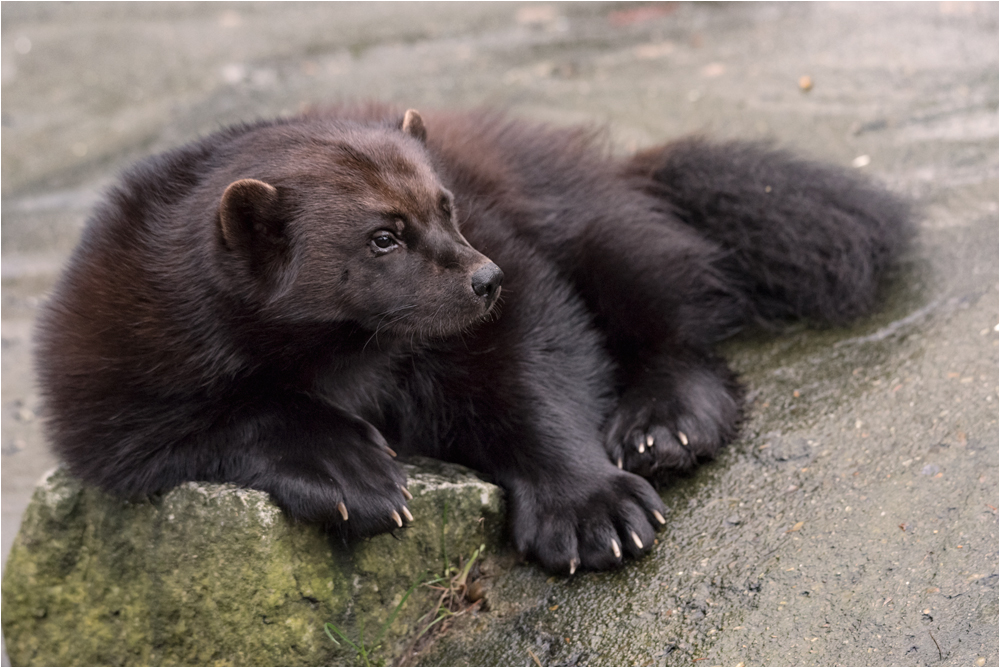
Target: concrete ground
(856,521)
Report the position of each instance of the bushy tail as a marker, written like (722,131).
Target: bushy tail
(802,239)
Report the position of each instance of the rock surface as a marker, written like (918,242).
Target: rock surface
(218,575)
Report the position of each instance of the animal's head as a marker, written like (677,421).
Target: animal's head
(350,223)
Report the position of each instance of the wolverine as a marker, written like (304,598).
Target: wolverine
(288,304)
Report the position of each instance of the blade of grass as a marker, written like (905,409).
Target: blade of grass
(445,612)
(392,617)
(444,542)
(328,626)
(460,581)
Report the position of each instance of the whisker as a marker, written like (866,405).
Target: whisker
(382,318)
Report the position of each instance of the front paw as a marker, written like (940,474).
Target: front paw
(671,424)
(350,481)
(586,523)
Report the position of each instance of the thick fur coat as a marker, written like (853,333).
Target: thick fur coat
(288,304)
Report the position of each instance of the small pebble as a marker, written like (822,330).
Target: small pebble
(475,591)
(16,446)
(805,83)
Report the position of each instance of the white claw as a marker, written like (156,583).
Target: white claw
(342,509)
(682,437)
(635,539)
(396,518)
(407,515)
(649,441)
(642,446)
(659,517)
(614,548)
(572,566)
(619,462)
(406,493)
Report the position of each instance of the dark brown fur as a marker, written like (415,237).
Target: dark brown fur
(279,304)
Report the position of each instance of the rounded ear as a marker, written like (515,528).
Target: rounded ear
(248,214)
(253,235)
(413,125)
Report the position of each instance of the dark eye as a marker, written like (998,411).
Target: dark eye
(383,241)
(446,205)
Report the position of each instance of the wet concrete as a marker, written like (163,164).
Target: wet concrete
(856,521)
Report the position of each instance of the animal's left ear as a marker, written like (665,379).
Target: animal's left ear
(413,125)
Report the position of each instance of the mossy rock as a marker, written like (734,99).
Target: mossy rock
(218,575)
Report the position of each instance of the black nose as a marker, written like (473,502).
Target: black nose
(486,281)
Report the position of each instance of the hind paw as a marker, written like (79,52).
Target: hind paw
(673,425)
(653,444)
